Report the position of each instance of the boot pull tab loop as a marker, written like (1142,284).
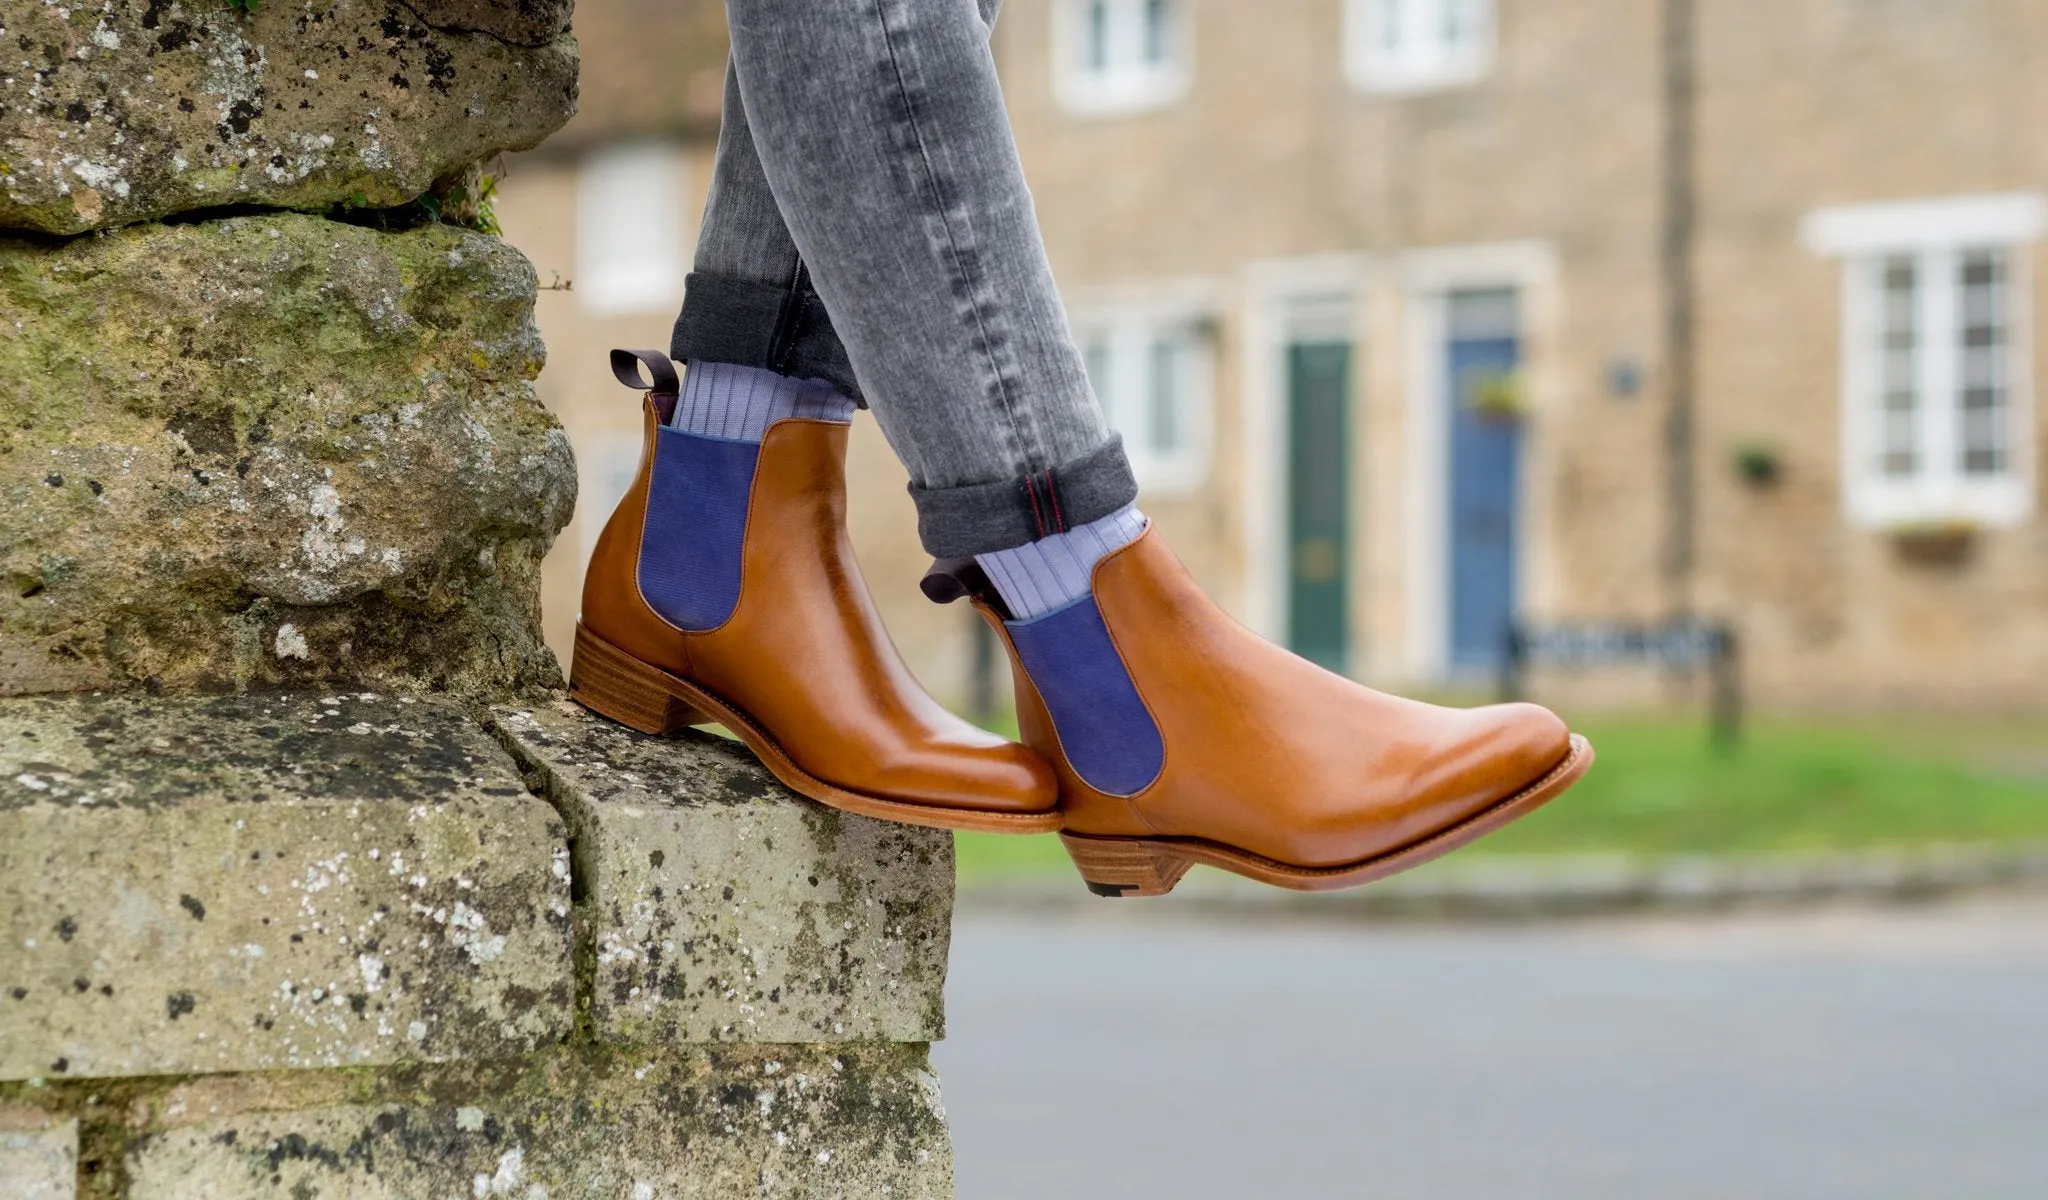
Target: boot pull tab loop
(626,366)
(951,579)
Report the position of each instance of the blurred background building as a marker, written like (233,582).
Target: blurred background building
(1422,315)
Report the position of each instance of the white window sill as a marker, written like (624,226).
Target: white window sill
(1120,96)
(2002,505)
(1380,81)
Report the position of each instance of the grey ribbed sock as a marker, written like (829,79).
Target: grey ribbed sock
(1053,572)
(739,403)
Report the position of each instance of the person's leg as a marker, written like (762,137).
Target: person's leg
(760,345)
(1178,735)
(882,139)
(749,302)
(724,588)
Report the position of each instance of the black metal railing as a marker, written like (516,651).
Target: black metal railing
(1682,645)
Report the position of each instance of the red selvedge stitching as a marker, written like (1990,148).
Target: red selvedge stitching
(1059,520)
(1037,516)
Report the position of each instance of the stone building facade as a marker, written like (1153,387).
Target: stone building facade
(1422,314)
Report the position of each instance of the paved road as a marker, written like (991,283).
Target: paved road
(1846,1055)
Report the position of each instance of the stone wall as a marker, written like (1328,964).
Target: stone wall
(272,448)
(372,946)
(259,445)
(308,885)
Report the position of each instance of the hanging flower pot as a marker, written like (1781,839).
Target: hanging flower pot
(1935,543)
(1497,396)
(1759,465)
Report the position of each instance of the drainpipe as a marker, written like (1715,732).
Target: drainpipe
(1680,213)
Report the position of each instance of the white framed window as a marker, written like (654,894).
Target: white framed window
(1414,45)
(629,229)
(1937,389)
(1154,373)
(1119,56)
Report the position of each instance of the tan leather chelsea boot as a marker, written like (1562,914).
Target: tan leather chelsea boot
(1181,737)
(724,590)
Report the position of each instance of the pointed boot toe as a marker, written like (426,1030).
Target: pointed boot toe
(1488,754)
(972,770)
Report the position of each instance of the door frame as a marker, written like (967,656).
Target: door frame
(1428,277)
(1285,300)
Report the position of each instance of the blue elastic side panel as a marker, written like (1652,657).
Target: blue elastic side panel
(696,527)
(1110,739)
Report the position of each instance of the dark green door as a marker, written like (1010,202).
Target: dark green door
(1318,500)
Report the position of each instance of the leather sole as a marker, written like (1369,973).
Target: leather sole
(1124,866)
(612,683)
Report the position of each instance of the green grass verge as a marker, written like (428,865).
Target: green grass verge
(1791,787)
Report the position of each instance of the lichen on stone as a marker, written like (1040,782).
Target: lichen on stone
(209,432)
(123,112)
(717,905)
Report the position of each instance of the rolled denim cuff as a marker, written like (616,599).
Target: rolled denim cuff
(979,518)
(778,327)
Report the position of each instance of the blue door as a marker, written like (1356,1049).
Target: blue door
(1484,353)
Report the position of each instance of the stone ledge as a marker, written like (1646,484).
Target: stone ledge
(245,882)
(722,907)
(286,943)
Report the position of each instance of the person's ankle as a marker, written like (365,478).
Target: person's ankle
(739,403)
(1055,571)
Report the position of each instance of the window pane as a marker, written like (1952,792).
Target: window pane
(1898,366)
(1457,21)
(1095,360)
(1390,26)
(1095,51)
(1981,358)
(1158,31)
(1164,425)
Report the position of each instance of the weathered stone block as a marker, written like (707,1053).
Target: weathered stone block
(38,1154)
(118,112)
(785,1121)
(272,449)
(265,881)
(521,22)
(725,908)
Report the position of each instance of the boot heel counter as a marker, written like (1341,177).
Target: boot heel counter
(611,580)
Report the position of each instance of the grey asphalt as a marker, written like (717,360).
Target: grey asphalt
(1854,1054)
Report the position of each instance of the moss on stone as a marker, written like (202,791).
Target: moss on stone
(274,449)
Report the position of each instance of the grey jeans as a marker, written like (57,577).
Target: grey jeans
(869,225)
